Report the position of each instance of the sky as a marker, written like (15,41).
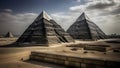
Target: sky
(17,15)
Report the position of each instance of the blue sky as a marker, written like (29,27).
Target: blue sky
(17,15)
(36,5)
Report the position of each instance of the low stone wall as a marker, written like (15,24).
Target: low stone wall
(97,48)
(101,48)
(72,61)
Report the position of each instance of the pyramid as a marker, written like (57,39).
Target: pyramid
(85,29)
(9,35)
(44,31)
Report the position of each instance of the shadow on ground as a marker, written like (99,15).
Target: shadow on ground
(44,64)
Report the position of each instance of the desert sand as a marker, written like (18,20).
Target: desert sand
(17,57)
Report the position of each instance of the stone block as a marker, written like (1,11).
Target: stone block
(93,61)
(75,59)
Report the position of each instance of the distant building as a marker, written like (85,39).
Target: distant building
(44,30)
(1,36)
(114,36)
(9,35)
(84,28)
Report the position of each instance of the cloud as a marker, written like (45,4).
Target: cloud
(111,24)
(116,10)
(100,5)
(7,10)
(63,19)
(104,13)
(77,8)
(104,5)
(78,0)
(15,23)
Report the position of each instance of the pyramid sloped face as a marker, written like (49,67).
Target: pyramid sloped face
(44,30)
(84,28)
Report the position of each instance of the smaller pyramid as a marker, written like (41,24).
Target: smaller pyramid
(84,28)
(44,31)
(9,35)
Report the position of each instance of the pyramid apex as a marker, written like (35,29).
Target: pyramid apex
(83,13)
(44,15)
(43,11)
(83,16)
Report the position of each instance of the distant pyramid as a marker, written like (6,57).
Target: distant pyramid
(9,35)
(44,30)
(84,28)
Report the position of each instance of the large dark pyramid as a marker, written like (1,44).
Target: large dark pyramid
(9,35)
(44,30)
(84,28)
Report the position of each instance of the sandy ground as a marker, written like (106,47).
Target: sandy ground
(6,41)
(11,57)
(29,64)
